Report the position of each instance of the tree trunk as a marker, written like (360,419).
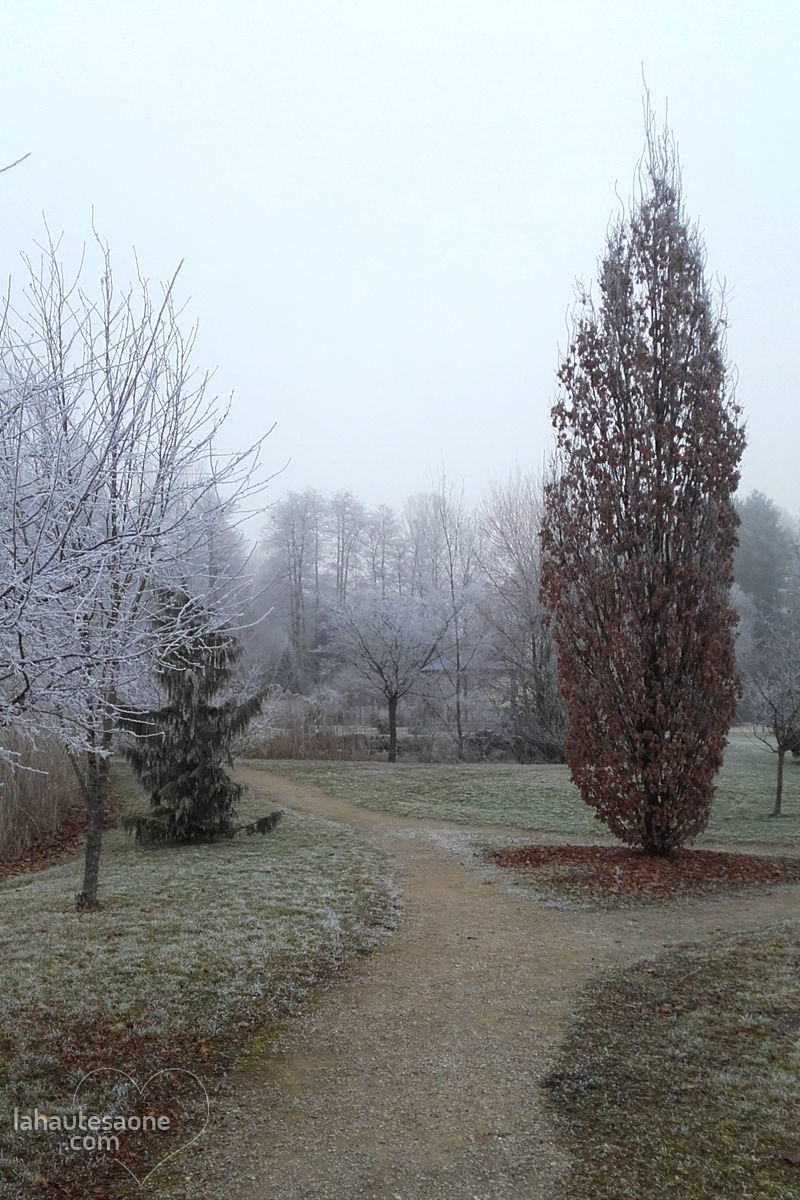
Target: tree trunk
(776,812)
(95,790)
(459,693)
(653,841)
(392,728)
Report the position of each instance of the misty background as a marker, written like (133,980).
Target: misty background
(382,208)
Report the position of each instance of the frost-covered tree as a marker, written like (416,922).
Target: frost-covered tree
(294,540)
(455,539)
(383,549)
(390,640)
(772,683)
(522,646)
(110,489)
(347,521)
(640,529)
(424,548)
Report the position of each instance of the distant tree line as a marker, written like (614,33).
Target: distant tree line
(434,610)
(436,603)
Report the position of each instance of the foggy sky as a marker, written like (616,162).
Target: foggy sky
(383,206)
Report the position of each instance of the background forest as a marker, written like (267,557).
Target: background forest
(438,605)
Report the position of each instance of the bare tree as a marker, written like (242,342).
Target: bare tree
(295,532)
(390,640)
(770,660)
(424,548)
(524,651)
(348,518)
(455,543)
(776,692)
(111,489)
(385,549)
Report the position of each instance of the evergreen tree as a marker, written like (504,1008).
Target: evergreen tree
(181,749)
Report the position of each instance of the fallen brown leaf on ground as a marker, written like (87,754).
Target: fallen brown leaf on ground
(615,871)
(53,844)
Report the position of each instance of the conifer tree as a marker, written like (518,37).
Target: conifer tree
(180,750)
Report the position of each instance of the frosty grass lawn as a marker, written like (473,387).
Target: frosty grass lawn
(541,799)
(193,949)
(196,949)
(679,1077)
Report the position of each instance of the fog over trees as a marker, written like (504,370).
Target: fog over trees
(495,693)
(437,603)
(621,611)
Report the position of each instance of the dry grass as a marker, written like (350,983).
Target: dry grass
(679,1077)
(36,793)
(299,744)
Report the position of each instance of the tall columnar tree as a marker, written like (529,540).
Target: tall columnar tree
(640,530)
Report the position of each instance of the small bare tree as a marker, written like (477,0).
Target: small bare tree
(523,646)
(772,683)
(390,640)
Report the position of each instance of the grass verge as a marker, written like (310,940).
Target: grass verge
(679,1077)
(541,798)
(193,949)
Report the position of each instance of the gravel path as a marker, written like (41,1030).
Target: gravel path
(415,1077)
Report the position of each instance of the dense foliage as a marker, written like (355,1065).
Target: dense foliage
(180,749)
(640,528)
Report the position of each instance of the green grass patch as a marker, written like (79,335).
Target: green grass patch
(541,798)
(193,949)
(680,1077)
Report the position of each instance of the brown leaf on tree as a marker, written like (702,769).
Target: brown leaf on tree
(640,528)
